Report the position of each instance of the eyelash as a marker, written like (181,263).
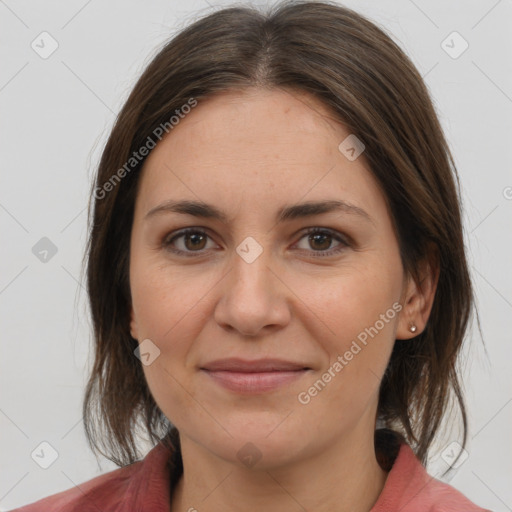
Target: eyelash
(167,243)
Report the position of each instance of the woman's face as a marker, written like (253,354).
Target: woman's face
(253,284)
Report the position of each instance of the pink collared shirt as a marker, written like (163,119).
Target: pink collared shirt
(145,485)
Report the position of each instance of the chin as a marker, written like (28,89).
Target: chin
(259,446)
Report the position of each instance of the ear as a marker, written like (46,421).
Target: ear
(418,298)
(134,331)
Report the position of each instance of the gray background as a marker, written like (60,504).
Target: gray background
(56,114)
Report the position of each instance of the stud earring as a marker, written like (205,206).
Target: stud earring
(413,328)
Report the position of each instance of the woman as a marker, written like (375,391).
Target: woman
(277,275)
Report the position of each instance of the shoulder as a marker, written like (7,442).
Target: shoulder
(410,488)
(120,489)
(99,492)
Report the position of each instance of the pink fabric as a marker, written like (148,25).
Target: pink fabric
(409,488)
(144,485)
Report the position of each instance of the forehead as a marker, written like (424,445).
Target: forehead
(260,122)
(257,144)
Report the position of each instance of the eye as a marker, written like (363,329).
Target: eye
(321,239)
(194,240)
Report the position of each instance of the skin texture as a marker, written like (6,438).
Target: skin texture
(249,154)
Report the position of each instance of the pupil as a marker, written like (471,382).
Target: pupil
(316,236)
(195,238)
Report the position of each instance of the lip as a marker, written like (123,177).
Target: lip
(254,382)
(235,364)
(250,377)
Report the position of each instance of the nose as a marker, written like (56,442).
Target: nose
(254,297)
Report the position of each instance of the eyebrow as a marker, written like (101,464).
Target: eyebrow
(289,212)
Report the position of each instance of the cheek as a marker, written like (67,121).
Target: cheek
(168,312)
(354,298)
(354,320)
(165,300)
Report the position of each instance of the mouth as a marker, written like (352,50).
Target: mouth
(250,377)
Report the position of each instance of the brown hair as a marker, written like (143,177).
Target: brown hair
(370,86)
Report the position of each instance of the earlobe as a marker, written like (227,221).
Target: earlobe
(418,302)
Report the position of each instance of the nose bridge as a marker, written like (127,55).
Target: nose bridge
(251,296)
(252,266)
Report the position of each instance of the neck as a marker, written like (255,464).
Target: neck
(346,477)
